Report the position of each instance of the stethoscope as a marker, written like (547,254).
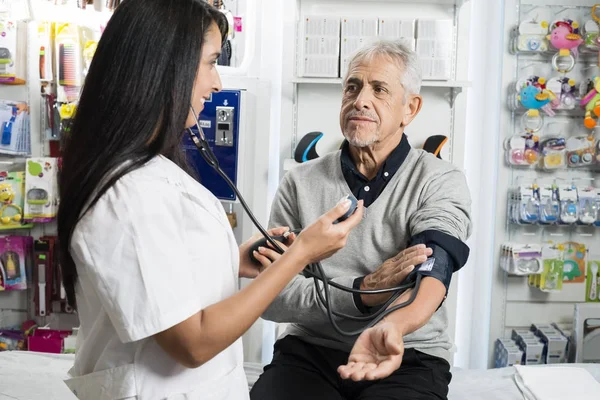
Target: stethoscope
(315,270)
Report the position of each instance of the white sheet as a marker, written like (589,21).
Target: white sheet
(497,384)
(556,383)
(38,376)
(34,376)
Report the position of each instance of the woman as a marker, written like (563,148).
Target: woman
(148,256)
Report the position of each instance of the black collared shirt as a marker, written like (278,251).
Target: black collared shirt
(368,190)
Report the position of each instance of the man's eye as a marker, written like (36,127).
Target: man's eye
(350,88)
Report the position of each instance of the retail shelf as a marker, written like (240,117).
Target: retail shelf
(450,2)
(13,227)
(45,11)
(425,83)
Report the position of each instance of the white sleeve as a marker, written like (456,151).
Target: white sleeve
(134,253)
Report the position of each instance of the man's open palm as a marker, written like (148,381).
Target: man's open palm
(376,354)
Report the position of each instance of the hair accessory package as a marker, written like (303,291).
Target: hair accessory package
(46,52)
(15,135)
(14,253)
(68,62)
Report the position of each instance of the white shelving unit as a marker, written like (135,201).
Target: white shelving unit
(313,104)
(513,303)
(17,305)
(430,83)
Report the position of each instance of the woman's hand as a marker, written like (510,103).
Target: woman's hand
(268,255)
(249,269)
(318,241)
(323,238)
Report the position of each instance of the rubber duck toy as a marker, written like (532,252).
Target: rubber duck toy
(534,98)
(566,38)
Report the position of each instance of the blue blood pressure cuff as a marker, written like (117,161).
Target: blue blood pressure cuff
(449,255)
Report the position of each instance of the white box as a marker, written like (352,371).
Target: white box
(435,29)
(586,332)
(516,333)
(507,342)
(429,48)
(555,346)
(356,33)
(514,355)
(506,353)
(359,27)
(351,44)
(319,25)
(532,350)
(348,47)
(390,28)
(320,66)
(436,68)
(321,46)
(536,327)
(411,43)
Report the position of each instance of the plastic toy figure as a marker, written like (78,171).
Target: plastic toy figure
(566,38)
(591,102)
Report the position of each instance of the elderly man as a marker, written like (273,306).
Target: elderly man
(418,209)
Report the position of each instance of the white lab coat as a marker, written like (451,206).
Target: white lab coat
(156,249)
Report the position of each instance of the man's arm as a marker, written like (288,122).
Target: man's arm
(445,209)
(444,206)
(378,351)
(430,295)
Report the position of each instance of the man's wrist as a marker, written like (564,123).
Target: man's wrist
(400,327)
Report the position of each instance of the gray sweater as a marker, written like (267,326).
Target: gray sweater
(424,194)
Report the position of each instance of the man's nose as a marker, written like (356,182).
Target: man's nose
(363,101)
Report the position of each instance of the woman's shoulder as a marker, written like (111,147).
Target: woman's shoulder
(159,170)
(156,199)
(157,185)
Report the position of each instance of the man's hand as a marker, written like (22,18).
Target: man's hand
(392,272)
(376,354)
(248,269)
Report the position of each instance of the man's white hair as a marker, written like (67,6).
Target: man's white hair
(401,54)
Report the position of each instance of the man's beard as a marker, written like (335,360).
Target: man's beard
(355,140)
(353,137)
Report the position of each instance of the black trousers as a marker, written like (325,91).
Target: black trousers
(304,371)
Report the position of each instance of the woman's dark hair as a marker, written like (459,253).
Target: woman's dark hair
(134,104)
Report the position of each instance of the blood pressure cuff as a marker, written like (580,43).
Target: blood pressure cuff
(449,255)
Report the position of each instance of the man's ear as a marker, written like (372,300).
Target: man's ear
(412,107)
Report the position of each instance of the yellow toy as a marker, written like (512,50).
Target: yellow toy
(591,102)
(7,195)
(11,197)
